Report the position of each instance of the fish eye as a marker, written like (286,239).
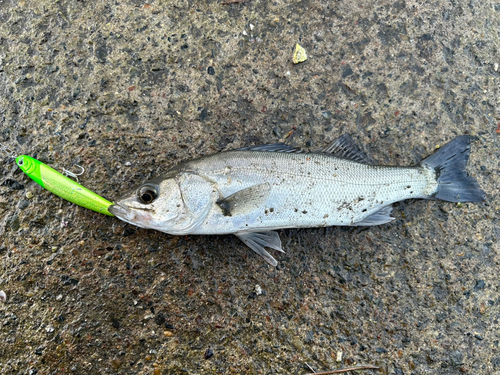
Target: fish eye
(147,194)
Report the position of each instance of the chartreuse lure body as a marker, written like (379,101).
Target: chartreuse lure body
(62,186)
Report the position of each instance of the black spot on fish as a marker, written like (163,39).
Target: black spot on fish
(271,209)
(296,210)
(304,212)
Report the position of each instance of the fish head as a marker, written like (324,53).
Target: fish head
(156,204)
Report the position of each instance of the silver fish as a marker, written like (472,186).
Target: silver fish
(252,191)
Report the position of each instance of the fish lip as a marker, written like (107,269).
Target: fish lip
(118,211)
(126,215)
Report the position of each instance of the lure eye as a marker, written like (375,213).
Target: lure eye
(20,162)
(147,194)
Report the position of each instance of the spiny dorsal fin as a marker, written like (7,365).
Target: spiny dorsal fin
(344,147)
(275,147)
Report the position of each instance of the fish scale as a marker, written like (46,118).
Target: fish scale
(308,187)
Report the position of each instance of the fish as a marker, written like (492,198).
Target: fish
(252,191)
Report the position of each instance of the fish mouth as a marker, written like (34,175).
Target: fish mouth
(130,216)
(119,211)
(123,213)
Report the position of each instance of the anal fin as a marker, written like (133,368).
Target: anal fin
(258,240)
(382,216)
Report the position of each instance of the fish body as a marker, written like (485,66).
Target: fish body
(299,190)
(62,186)
(253,191)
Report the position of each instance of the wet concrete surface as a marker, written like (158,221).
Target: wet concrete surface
(129,89)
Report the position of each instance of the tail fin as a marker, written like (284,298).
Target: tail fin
(454,183)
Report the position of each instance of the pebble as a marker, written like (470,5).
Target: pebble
(29,195)
(211,70)
(209,353)
(13,184)
(299,55)
(160,319)
(456,358)
(258,290)
(23,204)
(3,296)
(480,284)
(59,297)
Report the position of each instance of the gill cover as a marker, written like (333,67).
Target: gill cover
(173,205)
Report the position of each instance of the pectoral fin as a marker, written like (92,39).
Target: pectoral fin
(258,240)
(245,200)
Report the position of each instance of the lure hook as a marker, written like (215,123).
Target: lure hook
(72,174)
(7,150)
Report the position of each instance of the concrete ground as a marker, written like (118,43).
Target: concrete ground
(127,89)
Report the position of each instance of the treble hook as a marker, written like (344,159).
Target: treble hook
(7,150)
(72,174)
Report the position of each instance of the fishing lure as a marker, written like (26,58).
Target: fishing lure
(62,186)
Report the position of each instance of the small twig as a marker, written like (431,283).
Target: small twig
(310,368)
(355,368)
(229,2)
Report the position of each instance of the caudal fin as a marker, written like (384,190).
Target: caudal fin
(449,162)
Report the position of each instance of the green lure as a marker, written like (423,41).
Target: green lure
(62,186)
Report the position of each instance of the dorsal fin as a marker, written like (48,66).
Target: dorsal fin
(344,147)
(275,147)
